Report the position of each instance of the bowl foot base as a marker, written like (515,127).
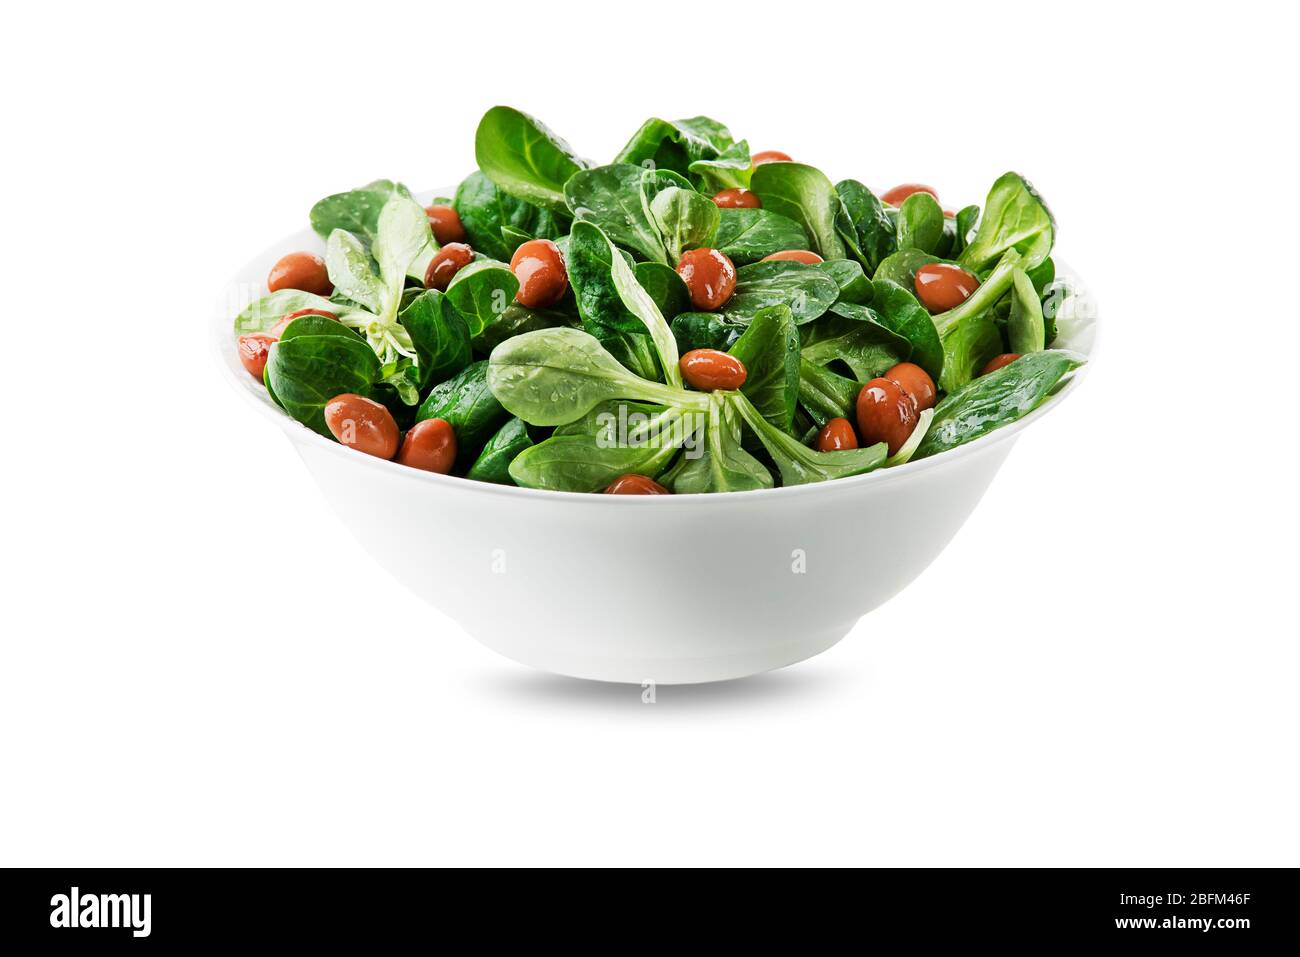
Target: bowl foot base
(766,655)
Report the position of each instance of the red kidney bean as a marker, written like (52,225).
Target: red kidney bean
(737,199)
(769,156)
(709,369)
(998,362)
(303,271)
(633,484)
(277,330)
(943,286)
(895,196)
(253,353)
(835,435)
(362,424)
(916,382)
(446,225)
(429,445)
(710,277)
(446,262)
(886,413)
(806,256)
(539,267)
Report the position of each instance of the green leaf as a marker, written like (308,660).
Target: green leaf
(468,404)
(305,372)
(1025,329)
(967,348)
(705,330)
(261,315)
(403,232)
(806,290)
(805,195)
(731,169)
(614,439)
(825,394)
(769,349)
(517,320)
(865,227)
(853,335)
(439,334)
(1015,217)
(524,158)
(356,211)
(748,235)
(350,270)
(848,274)
(481,292)
(723,465)
(995,400)
(685,219)
(495,222)
(920,223)
(898,310)
(493,463)
(665,287)
(611,197)
(900,267)
(554,376)
(676,145)
(798,464)
(590,263)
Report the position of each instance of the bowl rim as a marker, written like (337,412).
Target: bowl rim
(223,337)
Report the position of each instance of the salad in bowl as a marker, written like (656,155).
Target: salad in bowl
(689,317)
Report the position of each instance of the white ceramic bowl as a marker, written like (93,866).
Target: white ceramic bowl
(670,589)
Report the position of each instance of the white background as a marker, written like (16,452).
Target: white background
(1100,670)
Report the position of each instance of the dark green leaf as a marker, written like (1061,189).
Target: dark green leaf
(493,463)
(898,310)
(748,235)
(524,158)
(439,334)
(807,290)
(466,402)
(805,195)
(995,400)
(769,349)
(304,373)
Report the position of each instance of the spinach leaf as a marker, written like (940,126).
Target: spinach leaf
(1015,217)
(668,145)
(724,465)
(439,334)
(748,235)
(517,320)
(983,299)
(805,195)
(590,263)
(963,223)
(356,211)
(493,463)
(495,222)
(769,349)
(901,267)
(467,403)
(854,336)
(591,452)
(481,292)
(402,233)
(730,169)
(348,265)
(920,223)
(704,330)
(305,372)
(898,310)
(611,197)
(1025,329)
(995,400)
(807,290)
(524,158)
(317,326)
(864,225)
(553,376)
(797,463)
(261,315)
(849,276)
(685,220)
(967,348)
(665,287)
(825,394)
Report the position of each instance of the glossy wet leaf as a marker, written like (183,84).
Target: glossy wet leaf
(524,158)
(748,235)
(805,195)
